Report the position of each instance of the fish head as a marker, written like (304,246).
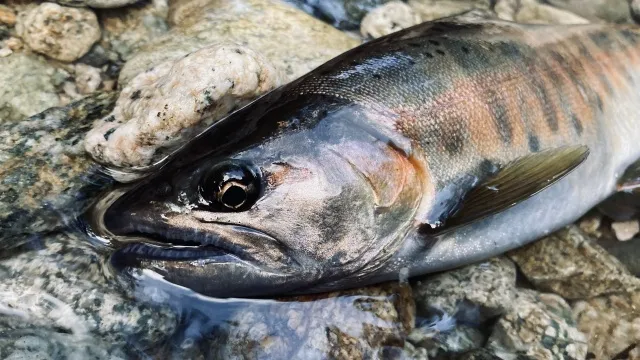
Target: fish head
(316,200)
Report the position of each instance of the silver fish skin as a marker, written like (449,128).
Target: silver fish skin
(422,151)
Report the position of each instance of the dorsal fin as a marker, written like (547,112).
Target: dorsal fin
(512,184)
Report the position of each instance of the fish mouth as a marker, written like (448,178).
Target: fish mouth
(144,237)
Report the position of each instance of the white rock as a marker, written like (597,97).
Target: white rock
(62,33)
(87,78)
(388,18)
(626,230)
(175,99)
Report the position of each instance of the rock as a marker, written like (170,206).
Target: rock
(39,343)
(479,354)
(125,32)
(590,224)
(7,16)
(4,52)
(572,265)
(483,291)
(635,9)
(46,179)
(506,9)
(626,230)
(343,14)
(359,323)
(88,78)
(295,46)
(452,307)
(538,326)
(61,285)
(164,106)
(31,89)
(435,9)
(611,323)
(388,18)
(62,33)
(626,252)
(101,4)
(615,11)
(533,12)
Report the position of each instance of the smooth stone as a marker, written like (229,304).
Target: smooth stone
(59,32)
(32,89)
(7,16)
(626,230)
(572,265)
(295,46)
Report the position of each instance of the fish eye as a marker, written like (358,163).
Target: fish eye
(231,186)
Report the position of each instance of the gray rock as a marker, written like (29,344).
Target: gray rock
(571,264)
(125,32)
(615,11)
(478,292)
(453,307)
(61,285)
(62,33)
(31,91)
(47,179)
(611,323)
(538,326)
(295,45)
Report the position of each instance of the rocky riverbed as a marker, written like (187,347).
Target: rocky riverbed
(78,76)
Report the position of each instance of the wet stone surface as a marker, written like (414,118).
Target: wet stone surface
(46,178)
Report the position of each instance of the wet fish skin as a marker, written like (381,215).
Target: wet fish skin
(361,154)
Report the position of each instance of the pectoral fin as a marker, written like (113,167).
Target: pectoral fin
(512,184)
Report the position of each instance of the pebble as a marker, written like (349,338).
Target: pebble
(62,33)
(88,78)
(611,323)
(626,230)
(538,326)
(163,106)
(31,90)
(388,18)
(5,51)
(343,14)
(572,265)
(7,15)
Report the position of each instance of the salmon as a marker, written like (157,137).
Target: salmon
(428,149)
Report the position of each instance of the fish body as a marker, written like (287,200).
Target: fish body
(361,168)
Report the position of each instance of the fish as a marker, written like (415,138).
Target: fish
(431,148)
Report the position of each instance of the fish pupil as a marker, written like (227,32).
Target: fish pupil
(234,196)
